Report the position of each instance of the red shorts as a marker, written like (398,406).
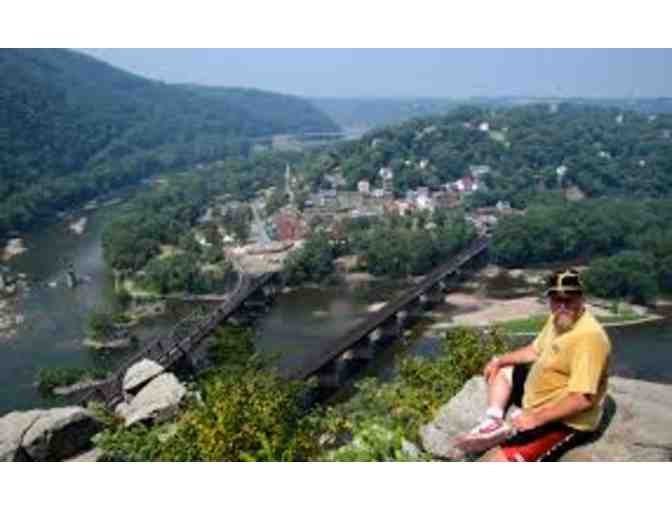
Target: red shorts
(544,443)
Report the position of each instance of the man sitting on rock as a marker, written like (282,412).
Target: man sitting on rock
(563,378)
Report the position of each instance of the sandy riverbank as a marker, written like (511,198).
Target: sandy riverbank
(474,311)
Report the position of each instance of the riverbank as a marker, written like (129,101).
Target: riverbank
(513,300)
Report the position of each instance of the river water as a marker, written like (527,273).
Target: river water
(299,321)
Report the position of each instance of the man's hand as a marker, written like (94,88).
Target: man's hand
(492,369)
(526,421)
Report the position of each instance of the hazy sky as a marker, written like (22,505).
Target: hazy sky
(409,72)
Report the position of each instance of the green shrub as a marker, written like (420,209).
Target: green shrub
(422,386)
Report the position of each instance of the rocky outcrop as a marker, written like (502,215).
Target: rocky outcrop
(140,374)
(158,401)
(635,426)
(50,435)
(460,414)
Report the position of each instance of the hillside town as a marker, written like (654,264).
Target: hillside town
(273,236)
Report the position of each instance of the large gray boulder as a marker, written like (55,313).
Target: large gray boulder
(50,435)
(457,416)
(635,426)
(13,427)
(158,401)
(140,374)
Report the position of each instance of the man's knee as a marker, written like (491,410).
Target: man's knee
(504,374)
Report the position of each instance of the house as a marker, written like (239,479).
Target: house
(364,187)
(290,226)
(336,180)
(477,171)
(424,203)
(378,193)
(422,191)
(200,239)
(503,205)
(400,207)
(387,176)
(484,126)
(466,184)
(424,164)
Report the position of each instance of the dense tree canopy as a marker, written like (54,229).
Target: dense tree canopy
(606,152)
(72,128)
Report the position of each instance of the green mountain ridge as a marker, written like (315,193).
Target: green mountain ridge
(72,127)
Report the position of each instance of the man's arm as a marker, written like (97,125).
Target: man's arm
(527,354)
(570,405)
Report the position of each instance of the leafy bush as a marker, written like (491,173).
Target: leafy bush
(249,413)
(373,442)
(422,386)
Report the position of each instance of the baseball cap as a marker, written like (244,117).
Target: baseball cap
(564,281)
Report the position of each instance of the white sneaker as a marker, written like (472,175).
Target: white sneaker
(489,432)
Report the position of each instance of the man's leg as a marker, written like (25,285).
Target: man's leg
(492,430)
(499,392)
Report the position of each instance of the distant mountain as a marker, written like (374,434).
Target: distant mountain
(281,113)
(376,112)
(645,105)
(72,127)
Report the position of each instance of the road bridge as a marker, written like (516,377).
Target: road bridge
(360,342)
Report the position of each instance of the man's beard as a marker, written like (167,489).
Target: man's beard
(564,322)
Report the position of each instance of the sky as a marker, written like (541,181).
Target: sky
(410,72)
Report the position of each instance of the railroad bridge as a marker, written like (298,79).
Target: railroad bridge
(253,297)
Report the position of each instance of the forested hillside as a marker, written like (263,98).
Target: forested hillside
(72,127)
(605,152)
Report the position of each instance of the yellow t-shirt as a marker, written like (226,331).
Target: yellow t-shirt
(573,362)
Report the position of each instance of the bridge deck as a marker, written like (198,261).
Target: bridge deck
(313,363)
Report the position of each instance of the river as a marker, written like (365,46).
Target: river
(299,321)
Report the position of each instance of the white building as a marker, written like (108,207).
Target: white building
(424,203)
(478,171)
(503,205)
(364,187)
(387,176)
(484,126)
(424,164)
